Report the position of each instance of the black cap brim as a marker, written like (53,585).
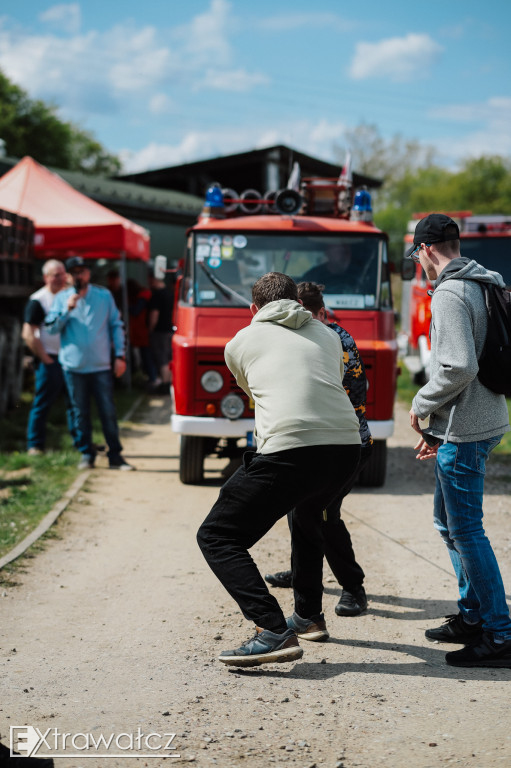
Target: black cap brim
(408,254)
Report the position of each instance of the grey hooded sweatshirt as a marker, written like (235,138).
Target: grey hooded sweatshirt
(458,333)
(291,366)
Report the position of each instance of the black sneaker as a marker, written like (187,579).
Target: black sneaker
(308,629)
(282,579)
(456,630)
(352,603)
(264,648)
(121,464)
(484,652)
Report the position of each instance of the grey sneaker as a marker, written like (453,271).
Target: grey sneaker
(264,648)
(455,630)
(352,603)
(86,462)
(309,629)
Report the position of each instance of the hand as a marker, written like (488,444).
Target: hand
(425,451)
(119,367)
(414,421)
(72,301)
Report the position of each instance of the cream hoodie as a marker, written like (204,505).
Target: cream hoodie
(291,366)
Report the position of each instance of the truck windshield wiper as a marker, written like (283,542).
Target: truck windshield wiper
(223,288)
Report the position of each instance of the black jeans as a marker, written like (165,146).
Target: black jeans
(259,493)
(337,545)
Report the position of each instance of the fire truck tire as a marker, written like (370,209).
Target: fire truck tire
(4,392)
(373,474)
(191,460)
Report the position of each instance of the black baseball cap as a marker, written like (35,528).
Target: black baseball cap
(74,262)
(435,228)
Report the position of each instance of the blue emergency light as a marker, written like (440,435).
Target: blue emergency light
(362,201)
(214,197)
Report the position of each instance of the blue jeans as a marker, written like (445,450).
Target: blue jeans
(83,386)
(49,384)
(458,516)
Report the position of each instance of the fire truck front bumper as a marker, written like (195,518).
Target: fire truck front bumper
(206,426)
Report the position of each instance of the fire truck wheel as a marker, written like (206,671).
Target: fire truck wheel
(373,474)
(191,460)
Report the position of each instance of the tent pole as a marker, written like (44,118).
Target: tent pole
(125,315)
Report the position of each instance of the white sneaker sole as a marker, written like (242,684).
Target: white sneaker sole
(273,657)
(320,634)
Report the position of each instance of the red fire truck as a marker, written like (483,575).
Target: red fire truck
(484,238)
(237,239)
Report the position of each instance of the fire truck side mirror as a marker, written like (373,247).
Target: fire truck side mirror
(407,269)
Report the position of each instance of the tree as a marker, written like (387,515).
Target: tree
(31,127)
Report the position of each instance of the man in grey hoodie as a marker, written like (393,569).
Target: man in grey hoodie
(466,421)
(308,448)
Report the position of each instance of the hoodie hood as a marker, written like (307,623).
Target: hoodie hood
(468,269)
(285,312)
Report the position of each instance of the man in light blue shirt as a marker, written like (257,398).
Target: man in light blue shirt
(89,324)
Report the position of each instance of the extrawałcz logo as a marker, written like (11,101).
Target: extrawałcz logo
(28,740)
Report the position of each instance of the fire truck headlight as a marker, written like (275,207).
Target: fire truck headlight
(212,381)
(232,406)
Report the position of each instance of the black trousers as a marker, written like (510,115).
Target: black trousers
(337,545)
(259,493)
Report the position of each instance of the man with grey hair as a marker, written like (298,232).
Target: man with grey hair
(49,379)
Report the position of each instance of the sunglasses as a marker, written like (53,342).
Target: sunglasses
(415,253)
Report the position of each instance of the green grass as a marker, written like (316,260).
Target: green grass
(406,390)
(31,485)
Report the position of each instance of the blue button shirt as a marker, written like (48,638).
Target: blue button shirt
(88,332)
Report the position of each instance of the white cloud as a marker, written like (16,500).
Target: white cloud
(160,104)
(66,17)
(125,67)
(492,136)
(397,58)
(312,138)
(206,37)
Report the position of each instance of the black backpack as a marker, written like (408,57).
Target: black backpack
(495,359)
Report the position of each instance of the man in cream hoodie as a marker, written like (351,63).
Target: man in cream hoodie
(308,448)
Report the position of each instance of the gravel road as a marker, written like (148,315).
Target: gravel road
(115,627)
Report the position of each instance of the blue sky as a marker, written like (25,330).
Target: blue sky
(167,83)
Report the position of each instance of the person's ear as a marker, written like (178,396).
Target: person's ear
(253,308)
(322,314)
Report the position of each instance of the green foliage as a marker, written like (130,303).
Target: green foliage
(31,127)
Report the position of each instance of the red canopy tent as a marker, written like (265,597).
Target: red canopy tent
(68,223)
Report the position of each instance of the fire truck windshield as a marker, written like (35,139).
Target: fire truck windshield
(352,268)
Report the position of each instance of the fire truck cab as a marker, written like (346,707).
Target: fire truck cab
(305,231)
(484,238)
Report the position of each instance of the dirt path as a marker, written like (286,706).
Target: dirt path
(117,624)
